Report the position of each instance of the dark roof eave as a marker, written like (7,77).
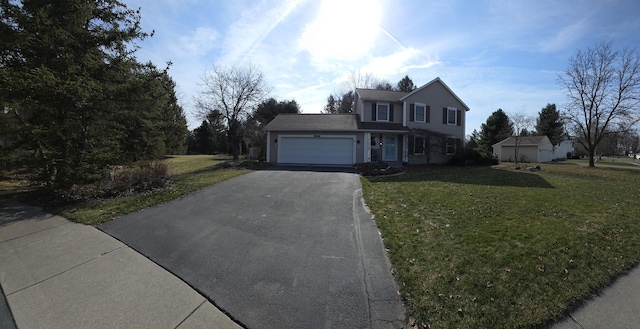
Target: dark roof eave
(398,131)
(401,131)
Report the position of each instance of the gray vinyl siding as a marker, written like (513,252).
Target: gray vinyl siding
(437,97)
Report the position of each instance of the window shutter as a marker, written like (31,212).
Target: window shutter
(390,112)
(428,114)
(410,144)
(459,145)
(459,119)
(412,108)
(444,115)
(373,112)
(444,144)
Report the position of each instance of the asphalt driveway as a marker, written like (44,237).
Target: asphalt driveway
(275,249)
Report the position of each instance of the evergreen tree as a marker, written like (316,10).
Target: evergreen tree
(81,100)
(497,128)
(332,105)
(473,140)
(550,124)
(262,115)
(405,84)
(61,64)
(202,140)
(346,102)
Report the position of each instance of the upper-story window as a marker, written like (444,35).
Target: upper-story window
(420,112)
(382,112)
(452,116)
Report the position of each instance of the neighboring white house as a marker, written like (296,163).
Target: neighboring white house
(530,149)
(561,150)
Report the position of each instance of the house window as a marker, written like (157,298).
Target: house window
(420,114)
(451,146)
(382,112)
(452,116)
(418,145)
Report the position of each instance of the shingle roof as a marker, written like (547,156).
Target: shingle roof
(437,79)
(326,122)
(380,95)
(524,141)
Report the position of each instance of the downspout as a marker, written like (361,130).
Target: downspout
(268,146)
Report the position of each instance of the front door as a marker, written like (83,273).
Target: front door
(389,149)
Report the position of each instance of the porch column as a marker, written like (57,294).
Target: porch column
(367,147)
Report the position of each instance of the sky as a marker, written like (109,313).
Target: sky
(492,53)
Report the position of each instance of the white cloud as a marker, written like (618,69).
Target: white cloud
(253,26)
(343,30)
(399,62)
(197,43)
(565,37)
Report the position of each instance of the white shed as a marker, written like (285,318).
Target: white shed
(530,149)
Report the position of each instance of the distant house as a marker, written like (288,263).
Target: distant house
(530,149)
(425,125)
(563,150)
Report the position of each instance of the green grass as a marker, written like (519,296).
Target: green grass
(188,173)
(618,161)
(499,248)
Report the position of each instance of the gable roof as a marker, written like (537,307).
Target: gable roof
(524,141)
(327,122)
(437,79)
(380,95)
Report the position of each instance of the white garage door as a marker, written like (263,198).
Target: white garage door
(545,156)
(316,150)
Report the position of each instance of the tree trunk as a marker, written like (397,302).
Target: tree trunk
(592,152)
(235,145)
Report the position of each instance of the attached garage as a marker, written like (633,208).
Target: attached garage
(317,149)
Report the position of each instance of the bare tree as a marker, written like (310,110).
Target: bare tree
(603,91)
(429,141)
(341,101)
(234,91)
(521,122)
(358,79)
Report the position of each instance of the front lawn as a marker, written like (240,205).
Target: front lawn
(189,173)
(620,161)
(500,248)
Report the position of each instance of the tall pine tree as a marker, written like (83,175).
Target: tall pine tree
(497,128)
(550,124)
(70,79)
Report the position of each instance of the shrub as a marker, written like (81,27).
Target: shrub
(473,157)
(376,169)
(124,180)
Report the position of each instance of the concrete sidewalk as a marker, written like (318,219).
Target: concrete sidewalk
(617,306)
(58,274)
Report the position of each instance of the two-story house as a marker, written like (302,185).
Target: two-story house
(422,126)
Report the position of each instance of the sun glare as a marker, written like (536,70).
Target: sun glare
(344,29)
